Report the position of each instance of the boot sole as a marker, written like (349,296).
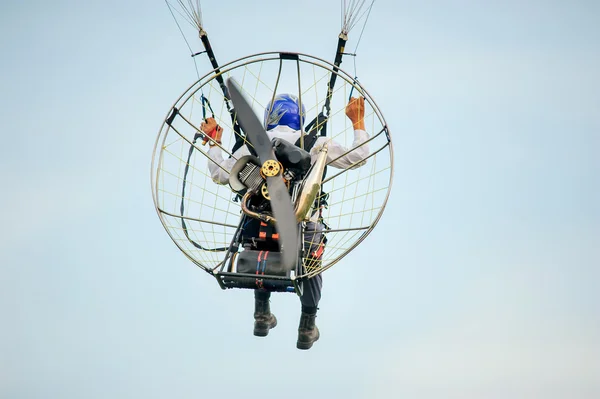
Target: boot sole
(306,345)
(263,331)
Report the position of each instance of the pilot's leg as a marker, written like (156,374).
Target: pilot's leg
(308,332)
(264,320)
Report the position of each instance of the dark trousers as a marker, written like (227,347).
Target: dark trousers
(313,246)
(311,288)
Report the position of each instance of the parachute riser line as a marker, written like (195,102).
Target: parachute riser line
(213,61)
(239,141)
(342,39)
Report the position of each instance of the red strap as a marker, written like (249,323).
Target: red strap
(317,254)
(265,261)
(258,282)
(259,259)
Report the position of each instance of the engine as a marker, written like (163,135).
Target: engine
(246,176)
(249,181)
(293,158)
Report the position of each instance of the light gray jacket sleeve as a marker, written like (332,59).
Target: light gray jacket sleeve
(341,157)
(220,168)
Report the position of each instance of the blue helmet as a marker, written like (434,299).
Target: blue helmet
(284,110)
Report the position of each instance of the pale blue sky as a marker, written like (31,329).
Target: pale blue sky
(481,281)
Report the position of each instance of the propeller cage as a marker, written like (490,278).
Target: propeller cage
(195,211)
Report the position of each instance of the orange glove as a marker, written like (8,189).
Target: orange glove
(210,128)
(355,110)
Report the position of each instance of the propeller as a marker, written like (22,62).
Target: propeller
(281,203)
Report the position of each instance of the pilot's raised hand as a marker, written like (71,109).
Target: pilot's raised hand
(355,111)
(212,131)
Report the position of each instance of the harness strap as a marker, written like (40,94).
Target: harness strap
(267,231)
(317,127)
(259,282)
(264,263)
(319,251)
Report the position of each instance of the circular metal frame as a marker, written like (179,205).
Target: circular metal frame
(228,69)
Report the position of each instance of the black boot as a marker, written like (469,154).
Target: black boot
(308,332)
(264,320)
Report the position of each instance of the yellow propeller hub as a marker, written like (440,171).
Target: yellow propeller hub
(271,168)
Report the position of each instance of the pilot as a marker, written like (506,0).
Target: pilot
(284,118)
